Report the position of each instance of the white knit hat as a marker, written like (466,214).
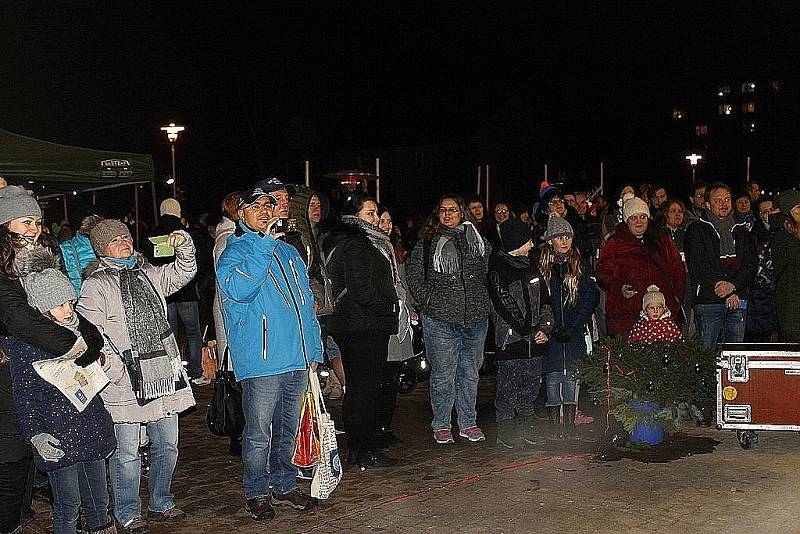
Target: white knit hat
(653,296)
(634,206)
(170,206)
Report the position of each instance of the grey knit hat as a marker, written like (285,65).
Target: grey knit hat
(45,285)
(557,227)
(15,202)
(104,231)
(170,206)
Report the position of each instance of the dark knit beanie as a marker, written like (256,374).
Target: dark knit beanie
(513,234)
(104,231)
(15,202)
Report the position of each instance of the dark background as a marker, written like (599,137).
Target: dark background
(260,90)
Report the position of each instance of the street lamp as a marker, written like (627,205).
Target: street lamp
(693,159)
(172,136)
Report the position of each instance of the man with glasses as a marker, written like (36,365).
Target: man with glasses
(696,202)
(273,336)
(721,256)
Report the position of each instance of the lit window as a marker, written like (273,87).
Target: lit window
(701,130)
(724,109)
(724,90)
(749,107)
(748,87)
(677,113)
(749,127)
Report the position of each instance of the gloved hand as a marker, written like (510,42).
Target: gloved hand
(94,342)
(46,447)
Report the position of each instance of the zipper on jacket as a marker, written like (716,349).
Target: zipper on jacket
(297,282)
(278,287)
(296,310)
(243,273)
(264,337)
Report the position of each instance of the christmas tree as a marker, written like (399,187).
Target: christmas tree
(673,374)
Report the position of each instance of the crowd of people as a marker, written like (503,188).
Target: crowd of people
(289,282)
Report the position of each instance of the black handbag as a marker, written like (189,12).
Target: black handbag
(224,416)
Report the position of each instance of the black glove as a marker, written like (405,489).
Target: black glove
(94,342)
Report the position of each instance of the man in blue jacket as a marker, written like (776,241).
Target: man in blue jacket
(273,336)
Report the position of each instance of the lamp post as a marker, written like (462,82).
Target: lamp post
(172,136)
(693,159)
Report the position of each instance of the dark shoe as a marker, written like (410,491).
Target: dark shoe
(260,508)
(554,430)
(525,429)
(506,433)
(386,439)
(570,432)
(374,460)
(105,529)
(235,448)
(296,499)
(173,515)
(135,526)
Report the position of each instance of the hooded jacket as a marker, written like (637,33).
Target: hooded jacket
(626,260)
(224,230)
(520,303)
(786,261)
(268,306)
(101,303)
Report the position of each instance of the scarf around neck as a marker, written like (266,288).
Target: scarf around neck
(153,361)
(446,257)
(723,226)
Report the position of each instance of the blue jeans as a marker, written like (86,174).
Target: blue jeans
(455,353)
(126,467)
(79,484)
(190,316)
(715,322)
(561,388)
(271,407)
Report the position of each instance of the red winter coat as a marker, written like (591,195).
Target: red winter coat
(625,260)
(650,331)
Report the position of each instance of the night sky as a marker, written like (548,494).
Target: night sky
(261,90)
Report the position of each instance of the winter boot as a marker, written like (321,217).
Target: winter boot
(570,432)
(525,429)
(506,433)
(554,423)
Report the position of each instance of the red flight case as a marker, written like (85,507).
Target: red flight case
(758,388)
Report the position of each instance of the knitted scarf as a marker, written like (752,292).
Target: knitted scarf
(446,257)
(727,247)
(153,362)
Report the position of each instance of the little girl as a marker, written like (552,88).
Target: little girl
(573,296)
(655,323)
(70,445)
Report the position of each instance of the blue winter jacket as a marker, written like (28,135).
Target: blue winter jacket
(77,253)
(268,306)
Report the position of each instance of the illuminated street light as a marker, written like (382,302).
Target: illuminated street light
(693,159)
(172,137)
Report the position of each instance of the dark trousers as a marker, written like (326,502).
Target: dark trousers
(16,480)
(364,358)
(388,395)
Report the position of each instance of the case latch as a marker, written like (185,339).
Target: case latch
(737,369)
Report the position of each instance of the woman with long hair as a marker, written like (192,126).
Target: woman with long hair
(573,297)
(447,276)
(364,274)
(637,256)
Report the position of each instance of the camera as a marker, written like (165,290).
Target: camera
(286,225)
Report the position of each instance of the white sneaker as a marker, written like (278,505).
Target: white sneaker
(201,381)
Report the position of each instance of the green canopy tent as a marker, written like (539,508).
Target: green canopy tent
(53,170)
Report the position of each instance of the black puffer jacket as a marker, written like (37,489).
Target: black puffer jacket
(461,298)
(520,304)
(362,284)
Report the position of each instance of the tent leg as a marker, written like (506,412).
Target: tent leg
(66,207)
(136,212)
(155,203)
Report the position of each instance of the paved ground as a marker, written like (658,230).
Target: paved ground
(699,482)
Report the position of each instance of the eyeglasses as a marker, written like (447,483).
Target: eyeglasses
(259,207)
(555,201)
(449,209)
(501,211)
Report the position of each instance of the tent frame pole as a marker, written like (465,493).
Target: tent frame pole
(155,203)
(136,212)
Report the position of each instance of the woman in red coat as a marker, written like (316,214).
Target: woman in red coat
(638,255)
